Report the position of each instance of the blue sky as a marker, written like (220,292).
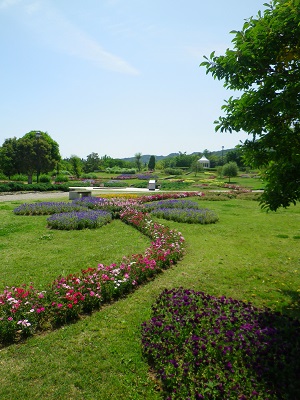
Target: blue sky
(116,77)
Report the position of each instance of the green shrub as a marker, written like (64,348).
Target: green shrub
(61,178)
(165,185)
(115,184)
(19,178)
(35,187)
(173,171)
(2,176)
(90,175)
(45,179)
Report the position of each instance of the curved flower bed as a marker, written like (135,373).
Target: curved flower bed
(181,211)
(186,215)
(79,220)
(46,208)
(172,203)
(26,310)
(204,347)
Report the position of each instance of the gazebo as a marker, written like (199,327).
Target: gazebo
(204,162)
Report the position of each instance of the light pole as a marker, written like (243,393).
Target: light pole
(38,135)
(222,155)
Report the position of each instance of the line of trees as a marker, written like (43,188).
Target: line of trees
(37,153)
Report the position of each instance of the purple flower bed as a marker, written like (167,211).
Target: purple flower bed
(172,203)
(186,215)
(79,220)
(46,208)
(125,176)
(204,347)
(146,177)
(181,210)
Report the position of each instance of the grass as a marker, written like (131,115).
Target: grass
(248,255)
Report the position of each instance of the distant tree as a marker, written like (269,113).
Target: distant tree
(264,65)
(138,161)
(230,170)
(236,156)
(92,163)
(184,160)
(8,157)
(196,166)
(151,163)
(76,165)
(37,152)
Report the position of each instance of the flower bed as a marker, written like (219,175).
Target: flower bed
(46,208)
(181,211)
(186,215)
(204,347)
(79,220)
(25,310)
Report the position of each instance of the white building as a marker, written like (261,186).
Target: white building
(204,162)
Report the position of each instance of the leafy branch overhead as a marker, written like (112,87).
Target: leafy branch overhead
(265,65)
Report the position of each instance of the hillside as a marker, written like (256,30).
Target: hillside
(145,157)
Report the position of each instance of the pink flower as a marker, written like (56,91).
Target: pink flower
(92,293)
(10,319)
(59,305)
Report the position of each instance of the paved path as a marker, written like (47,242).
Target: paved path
(65,195)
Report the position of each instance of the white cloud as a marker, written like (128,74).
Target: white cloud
(8,3)
(59,33)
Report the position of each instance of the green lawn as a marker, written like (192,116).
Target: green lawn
(249,255)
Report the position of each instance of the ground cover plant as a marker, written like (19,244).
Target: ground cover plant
(243,257)
(206,347)
(46,208)
(79,220)
(181,211)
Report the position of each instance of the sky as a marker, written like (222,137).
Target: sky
(117,77)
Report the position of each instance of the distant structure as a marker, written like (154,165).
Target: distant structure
(204,162)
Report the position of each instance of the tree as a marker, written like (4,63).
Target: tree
(151,163)
(92,163)
(230,170)
(138,161)
(8,157)
(37,152)
(235,155)
(265,65)
(76,165)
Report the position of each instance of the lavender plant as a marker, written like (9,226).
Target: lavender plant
(46,208)
(181,210)
(79,220)
(191,216)
(204,347)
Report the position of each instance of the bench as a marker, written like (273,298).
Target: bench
(78,192)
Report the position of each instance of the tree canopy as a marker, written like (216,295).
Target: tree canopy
(35,152)
(264,65)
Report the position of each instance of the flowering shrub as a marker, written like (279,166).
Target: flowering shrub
(26,310)
(46,208)
(79,220)
(204,347)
